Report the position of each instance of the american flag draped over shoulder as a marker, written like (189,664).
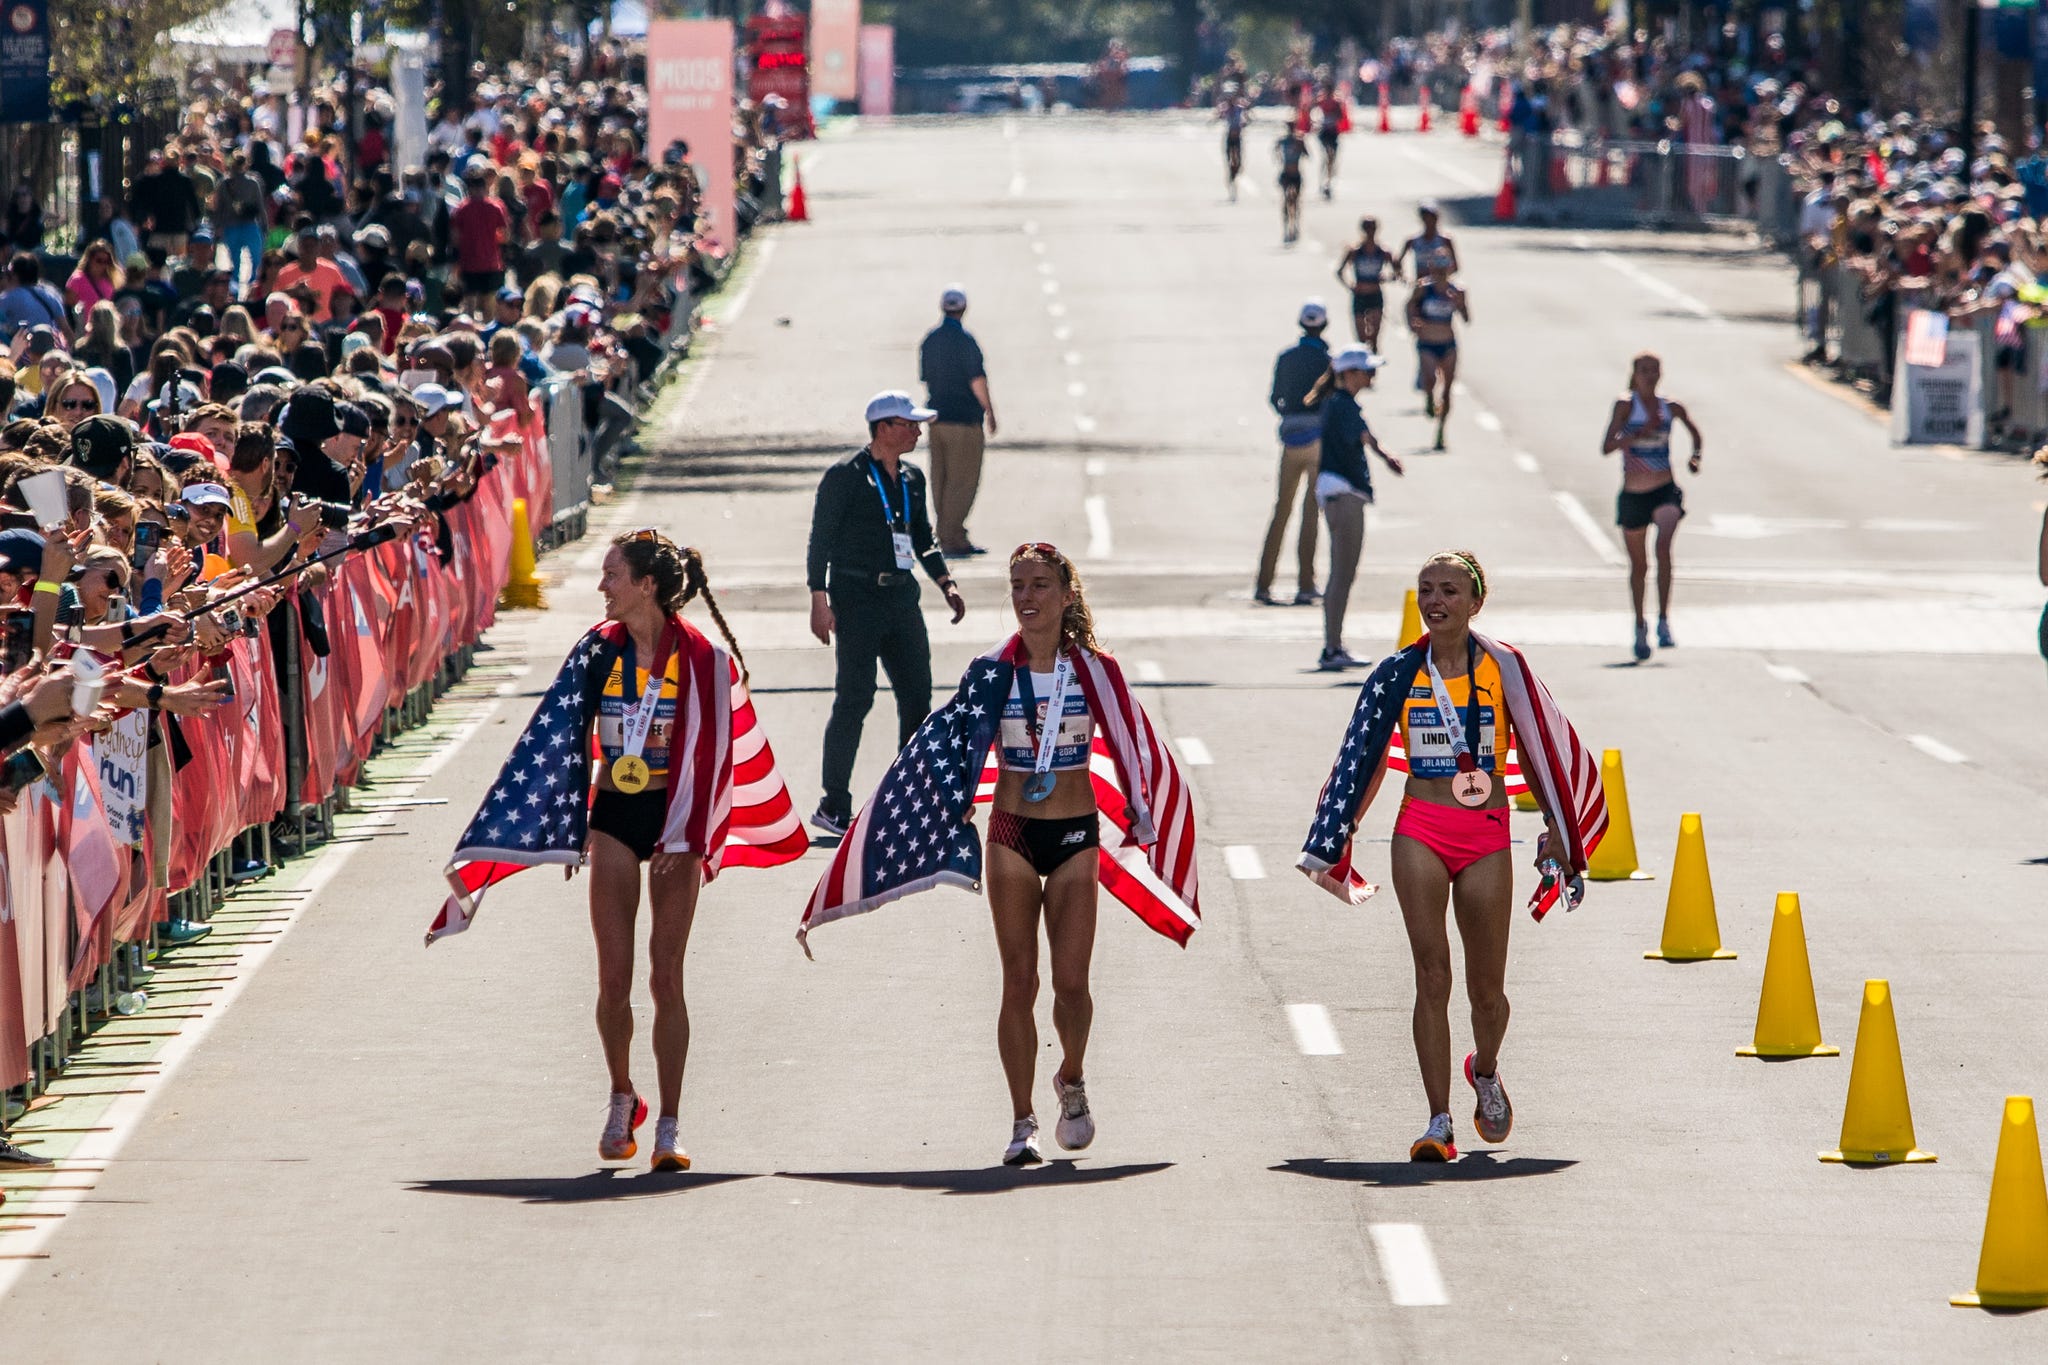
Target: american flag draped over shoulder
(915,832)
(726,801)
(1555,765)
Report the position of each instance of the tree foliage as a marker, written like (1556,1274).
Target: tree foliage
(100,51)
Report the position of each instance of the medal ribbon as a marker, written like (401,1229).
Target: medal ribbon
(640,721)
(1048,735)
(1461,728)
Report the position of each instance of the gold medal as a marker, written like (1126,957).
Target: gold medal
(630,774)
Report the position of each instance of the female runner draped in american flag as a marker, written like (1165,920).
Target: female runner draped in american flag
(1453,696)
(1071,745)
(685,782)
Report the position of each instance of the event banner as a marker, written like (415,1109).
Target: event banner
(835,48)
(877,70)
(689,96)
(25,61)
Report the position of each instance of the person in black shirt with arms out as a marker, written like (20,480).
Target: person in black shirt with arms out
(870,530)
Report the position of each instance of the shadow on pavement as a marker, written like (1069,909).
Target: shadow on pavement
(1471,1166)
(610,1183)
(985,1180)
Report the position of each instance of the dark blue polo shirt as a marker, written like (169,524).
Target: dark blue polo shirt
(1295,373)
(949,361)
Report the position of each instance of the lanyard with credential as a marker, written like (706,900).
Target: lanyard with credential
(630,772)
(875,477)
(1039,785)
(1471,786)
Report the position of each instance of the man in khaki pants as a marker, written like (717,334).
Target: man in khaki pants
(956,384)
(1301,434)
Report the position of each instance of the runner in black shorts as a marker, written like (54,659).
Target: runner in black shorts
(1363,269)
(1235,111)
(1640,428)
(1291,150)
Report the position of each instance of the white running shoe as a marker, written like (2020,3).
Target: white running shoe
(1436,1143)
(626,1112)
(1493,1116)
(1023,1148)
(668,1146)
(1076,1126)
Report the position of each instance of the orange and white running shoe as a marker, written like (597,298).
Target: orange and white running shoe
(625,1113)
(668,1148)
(1435,1144)
(1492,1116)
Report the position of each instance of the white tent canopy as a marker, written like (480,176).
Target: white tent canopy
(239,31)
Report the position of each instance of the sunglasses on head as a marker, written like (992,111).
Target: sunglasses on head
(644,534)
(1035,547)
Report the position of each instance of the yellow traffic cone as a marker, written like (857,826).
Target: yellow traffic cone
(1787,1022)
(1877,1123)
(1691,933)
(1615,859)
(522,589)
(2012,1269)
(1411,622)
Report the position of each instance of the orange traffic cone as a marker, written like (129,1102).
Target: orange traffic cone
(1468,113)
(1504,202)
(799,205)
(1423,125)
(1386,110)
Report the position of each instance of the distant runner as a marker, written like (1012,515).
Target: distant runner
(1640,428)
(1332,121)
(1291,150)
(1429,247)
(1235,111)
(1363,269)
(1433,310)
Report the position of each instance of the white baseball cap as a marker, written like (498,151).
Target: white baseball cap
(895,403)
(1313,314)
(432,398)
(1355,357)
(953,299)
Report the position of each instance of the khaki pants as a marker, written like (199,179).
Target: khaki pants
(1297,480)
(956,478)
(1346,513)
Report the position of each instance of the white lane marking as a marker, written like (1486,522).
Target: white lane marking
(1045,267)
(1526,462)
(1670,293)
(1582,521)
(1072,357)
(1934,748)
(1193,752)
(1017,185)
(1458,389)
(732,311)
(1465,178)
(1248,187)
(1049,286)
(1487,422)
(1083,423)
(1312,246)
(1055,309)
(1095,467)
(1077,390)
(1097,508)
(1150,671)
(1413,1281)
(1314,1034)
(1786,673)
(1243,862)
(1062,333)
(1916,526)
(1030,227)
(1038,248)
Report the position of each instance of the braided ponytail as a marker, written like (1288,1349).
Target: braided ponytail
(696,584)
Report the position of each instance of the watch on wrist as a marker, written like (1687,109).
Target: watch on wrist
(155,695)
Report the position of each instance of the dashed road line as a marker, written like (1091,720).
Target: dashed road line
(1243,862)
(1049,286)
(1077,390)
(1061,333)
(1526,462)
(1193,752)
(1487,422)
(1084,424)
(1097,509)
(1413,1280)
(1314,1034)
(1072,357)
(1095,466)
(1150,671)
(1582,521)
(1045,267)
(1934,748)
(1017,185)
(1670,293)
(1055,308)
(1786,673)
(1463,177)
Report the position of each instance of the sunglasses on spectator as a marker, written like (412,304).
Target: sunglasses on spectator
(74,404)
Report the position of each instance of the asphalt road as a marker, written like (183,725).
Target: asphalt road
(377,1152)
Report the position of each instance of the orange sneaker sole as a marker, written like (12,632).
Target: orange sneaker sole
(671,1161)
(631,1148)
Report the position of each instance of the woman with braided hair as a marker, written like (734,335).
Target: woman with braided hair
(1039,702)
(681,772)
(1455,696)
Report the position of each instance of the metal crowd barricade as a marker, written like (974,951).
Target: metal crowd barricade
(1569,177)
(569,456)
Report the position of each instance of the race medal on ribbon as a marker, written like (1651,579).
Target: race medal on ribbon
(629,774)
(1044,730)
(1472,788)
(1038,786)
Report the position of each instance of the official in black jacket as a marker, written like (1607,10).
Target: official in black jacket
(870,530)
